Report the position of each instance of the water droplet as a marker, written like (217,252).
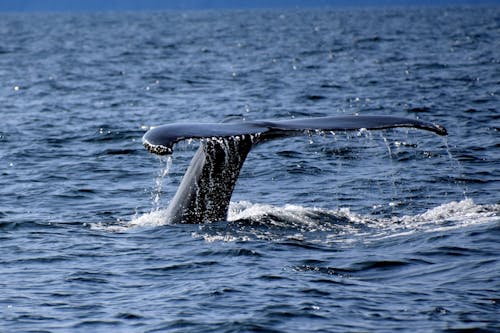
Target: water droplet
(162,174)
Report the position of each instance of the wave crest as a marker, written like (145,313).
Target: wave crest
(260,221)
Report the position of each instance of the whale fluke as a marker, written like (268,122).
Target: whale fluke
(160,140)
(206,188)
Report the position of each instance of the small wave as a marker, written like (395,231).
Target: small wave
(458,214)
(152,219)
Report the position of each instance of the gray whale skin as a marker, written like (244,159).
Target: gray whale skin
(206,188)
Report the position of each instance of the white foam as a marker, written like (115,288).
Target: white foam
(152,219)
(344,226)
(227,238)
(321,225)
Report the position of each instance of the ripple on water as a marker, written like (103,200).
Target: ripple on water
(369,231)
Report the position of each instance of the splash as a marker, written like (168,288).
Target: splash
(156,216)
(152,219)
(249,221)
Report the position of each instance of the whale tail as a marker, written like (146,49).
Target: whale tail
(206,188)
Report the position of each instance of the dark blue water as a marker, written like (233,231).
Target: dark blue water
(334,232)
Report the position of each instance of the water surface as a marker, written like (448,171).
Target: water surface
(363,231)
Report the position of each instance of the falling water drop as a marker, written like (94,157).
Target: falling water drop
(388,146)
(310,136)
(392,172)
(166,163)
(456,165)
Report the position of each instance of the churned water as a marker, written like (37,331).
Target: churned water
(330,232)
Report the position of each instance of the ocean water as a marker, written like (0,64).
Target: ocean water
(370,231)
